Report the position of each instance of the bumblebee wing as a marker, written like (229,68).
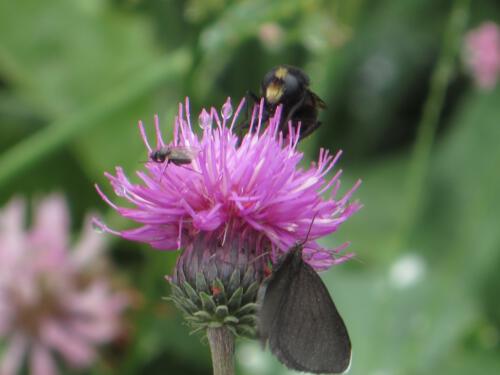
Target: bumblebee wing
(308,334)
(317,101)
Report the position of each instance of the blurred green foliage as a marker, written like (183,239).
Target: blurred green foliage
(76,75)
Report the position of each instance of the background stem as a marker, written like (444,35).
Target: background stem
(221,342)
(27,152)
(420,158)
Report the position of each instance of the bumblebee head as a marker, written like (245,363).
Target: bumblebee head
(283,83)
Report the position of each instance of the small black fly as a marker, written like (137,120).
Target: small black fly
(173,154)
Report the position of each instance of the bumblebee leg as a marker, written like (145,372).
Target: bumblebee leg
(242,128)
(309,129)
(253,96)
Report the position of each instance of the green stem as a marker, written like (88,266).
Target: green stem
(221,342)
(430,118)
(29,151)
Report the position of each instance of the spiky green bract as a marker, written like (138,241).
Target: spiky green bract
(215,283)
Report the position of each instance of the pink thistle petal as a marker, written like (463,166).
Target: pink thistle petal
(255,185)
(159,137)
(161,238)
(144,137)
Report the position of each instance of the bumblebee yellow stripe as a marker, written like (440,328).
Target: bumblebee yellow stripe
(274,92)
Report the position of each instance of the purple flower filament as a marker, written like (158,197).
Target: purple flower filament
(255,189)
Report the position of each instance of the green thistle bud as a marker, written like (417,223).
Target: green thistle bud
(216,282)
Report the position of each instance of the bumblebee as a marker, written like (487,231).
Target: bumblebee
(289,86)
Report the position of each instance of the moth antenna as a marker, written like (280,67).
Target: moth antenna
(309,230)
(360,261)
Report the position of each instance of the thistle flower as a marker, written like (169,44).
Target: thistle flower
(482,51)
(235,208)
(52,301)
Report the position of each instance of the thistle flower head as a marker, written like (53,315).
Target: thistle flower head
(482,52)
(234,206)
(253,189)
(52,300)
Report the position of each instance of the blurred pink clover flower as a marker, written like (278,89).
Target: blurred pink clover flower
(482,54)
(52,300)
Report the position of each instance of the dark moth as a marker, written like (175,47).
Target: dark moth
(300,321)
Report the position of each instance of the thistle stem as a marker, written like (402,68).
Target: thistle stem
(221,342)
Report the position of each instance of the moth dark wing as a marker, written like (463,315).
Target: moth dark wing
(276,289)
(308,333)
